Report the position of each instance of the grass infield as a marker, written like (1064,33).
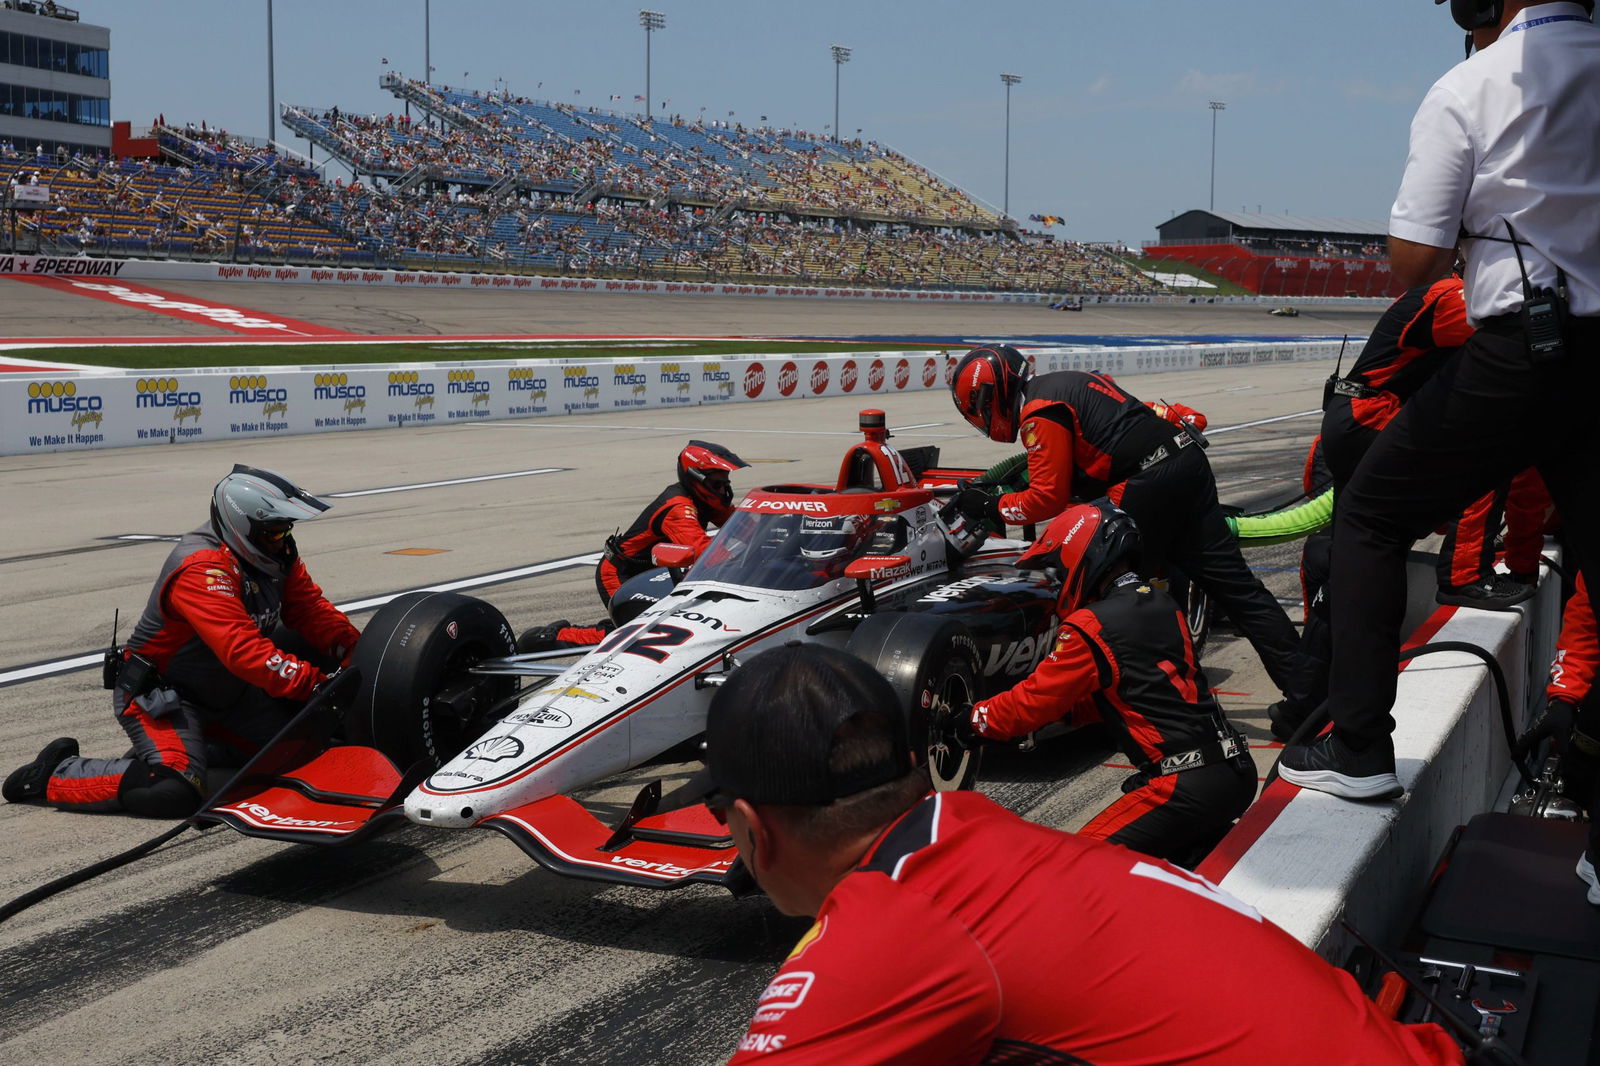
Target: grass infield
(206,356)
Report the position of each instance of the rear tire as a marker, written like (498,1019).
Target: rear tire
(414,647)
(932,664)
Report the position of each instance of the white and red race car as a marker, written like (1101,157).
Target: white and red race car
(440,733)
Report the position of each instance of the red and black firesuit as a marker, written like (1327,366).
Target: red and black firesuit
(1087,437)
(966,935)
(1127,659)
(671,518)
(217,676)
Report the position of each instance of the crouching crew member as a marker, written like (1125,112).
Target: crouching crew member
(1124,655)
(702,496)
(200,665)
(1086,437)
(950,931)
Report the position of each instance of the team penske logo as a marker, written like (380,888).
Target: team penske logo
(256,389)
(164,394)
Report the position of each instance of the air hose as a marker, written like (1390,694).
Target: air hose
(1290,523)
(1314,723)
(77,877)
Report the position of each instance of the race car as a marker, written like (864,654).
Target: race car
(1285,312)
(440,732)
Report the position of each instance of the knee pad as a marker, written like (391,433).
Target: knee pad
(157,792)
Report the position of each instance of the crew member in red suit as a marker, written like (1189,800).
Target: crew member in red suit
(949,931)
(201,667)
(1124,656)
(1086,437)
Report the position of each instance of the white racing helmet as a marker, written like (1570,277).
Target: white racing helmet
(253,511)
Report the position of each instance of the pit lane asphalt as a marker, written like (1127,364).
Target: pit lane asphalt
(427,945)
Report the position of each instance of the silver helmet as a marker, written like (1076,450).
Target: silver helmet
(253,510)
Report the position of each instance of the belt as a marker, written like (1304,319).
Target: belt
(1169,449)
(1232,746)
(1353,389)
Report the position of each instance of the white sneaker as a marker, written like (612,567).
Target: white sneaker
(1589,877)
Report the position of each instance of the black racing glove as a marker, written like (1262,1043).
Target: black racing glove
(1555,725)
(979,504)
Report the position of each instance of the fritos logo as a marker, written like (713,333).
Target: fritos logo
(848,374)
(755,379)
(788,378)
(902,374)
(930,373)
(819,378)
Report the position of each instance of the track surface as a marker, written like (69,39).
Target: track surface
(452,947)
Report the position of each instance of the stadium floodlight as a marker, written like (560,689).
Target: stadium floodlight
(841,56)
(272,90)
(1008,80)
(651,21)
(1215,105)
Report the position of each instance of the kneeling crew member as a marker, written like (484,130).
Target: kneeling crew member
(1086,437)
(1124,655)
(201,664)
(950,931)
(702,496)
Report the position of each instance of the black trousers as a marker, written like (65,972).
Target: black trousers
(1181,523)
(1484,416)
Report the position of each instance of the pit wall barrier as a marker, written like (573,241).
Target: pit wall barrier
(62,411)
(167,270)
(1305,859)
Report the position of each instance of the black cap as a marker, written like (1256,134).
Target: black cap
(771,728)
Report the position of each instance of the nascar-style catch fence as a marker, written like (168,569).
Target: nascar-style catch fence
(62,411)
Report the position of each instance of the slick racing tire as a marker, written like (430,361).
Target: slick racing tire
(417,649)
(933,666)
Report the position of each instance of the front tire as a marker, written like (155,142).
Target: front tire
(417,700)
(932,664)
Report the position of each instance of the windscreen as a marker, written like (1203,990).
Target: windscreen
(787,552)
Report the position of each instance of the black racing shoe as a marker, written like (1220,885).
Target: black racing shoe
(1288,715)
(26,784)
(1496,593)
(542,638)
(1328,765)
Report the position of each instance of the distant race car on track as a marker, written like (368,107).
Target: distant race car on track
(439,731)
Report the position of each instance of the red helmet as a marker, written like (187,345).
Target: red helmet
(987,387)
(699,459)
(1085,543)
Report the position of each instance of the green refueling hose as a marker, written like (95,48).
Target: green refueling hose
(1290,523)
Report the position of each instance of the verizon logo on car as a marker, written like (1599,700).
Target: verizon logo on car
(788,379)
(755,379)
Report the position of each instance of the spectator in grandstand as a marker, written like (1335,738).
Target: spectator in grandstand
(1502,158)
(928,944)
(1124,656)
(202,668)
(1086,437)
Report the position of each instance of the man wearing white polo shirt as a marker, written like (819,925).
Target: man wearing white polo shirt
(1505,165)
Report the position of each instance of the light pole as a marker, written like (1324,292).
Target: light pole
(841,56)
(272,92)
(1215,105)
(1009,80)
(651,21)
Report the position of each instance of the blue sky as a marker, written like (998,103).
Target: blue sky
(1109,128)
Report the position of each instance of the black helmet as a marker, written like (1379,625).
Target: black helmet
(1480,14)
(697,460)
(987,388)
(1085,543)
(253,511)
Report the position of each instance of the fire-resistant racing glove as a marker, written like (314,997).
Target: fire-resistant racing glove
(979,504)
(1555,725)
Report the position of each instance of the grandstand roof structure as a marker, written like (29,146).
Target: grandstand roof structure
(1197,225)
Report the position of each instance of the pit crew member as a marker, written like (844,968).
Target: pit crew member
(1124,656)
(201,667)
(702,496)
(949,930)
(1086,437)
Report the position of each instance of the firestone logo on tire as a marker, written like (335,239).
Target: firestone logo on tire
(848,375)
(819,378)
(755,379)
(875,375)
(930,373)
(788,379)
(902,374)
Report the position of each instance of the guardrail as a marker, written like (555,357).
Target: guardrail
(70,411)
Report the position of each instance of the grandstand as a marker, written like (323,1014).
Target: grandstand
(1281,255)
